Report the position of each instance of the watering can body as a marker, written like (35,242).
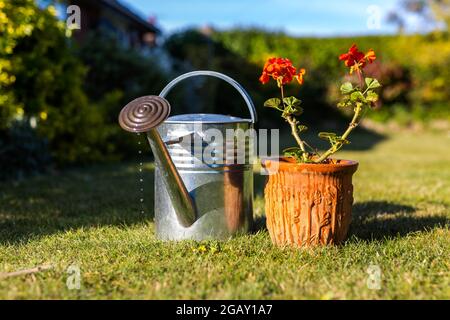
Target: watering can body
(203,166)
(222,188)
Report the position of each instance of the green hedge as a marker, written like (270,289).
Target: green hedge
(414,69)
(73,95)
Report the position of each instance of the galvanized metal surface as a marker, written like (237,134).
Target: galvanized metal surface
(224,202)
(203,185)
(205,118)
(231,81)
(222,192)
(174,186)
(144,114)
(217,178)
(192,145)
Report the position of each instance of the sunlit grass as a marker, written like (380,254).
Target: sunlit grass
(92,218)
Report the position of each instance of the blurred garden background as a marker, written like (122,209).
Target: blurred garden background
(61,89)
(63,155)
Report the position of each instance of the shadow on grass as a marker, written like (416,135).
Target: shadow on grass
(110,195)
(376,220)
(259,224)
(80,198)
(373,208)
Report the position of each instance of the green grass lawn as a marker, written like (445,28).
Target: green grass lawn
(92,218)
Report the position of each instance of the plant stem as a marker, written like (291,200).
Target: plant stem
(352,125)
(293,123)
(314,150)
(325,155)
(360,77)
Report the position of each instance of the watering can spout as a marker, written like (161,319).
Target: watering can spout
(181,200)
(144,114)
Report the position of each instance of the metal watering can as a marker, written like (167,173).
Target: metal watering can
(201,190)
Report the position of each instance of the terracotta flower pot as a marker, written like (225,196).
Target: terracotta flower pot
(308,204)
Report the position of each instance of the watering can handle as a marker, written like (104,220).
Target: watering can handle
(219,75)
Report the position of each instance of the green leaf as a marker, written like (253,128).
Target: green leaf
(302,128)
(333,138)
(357,96)
(327,135)
(273,103)
(371,96)
(292,106)
(372,83)
(292,149)
(294,152)
(340,140)
(292,101)
(345,102)
(375,84)
(296,111)
(346,88)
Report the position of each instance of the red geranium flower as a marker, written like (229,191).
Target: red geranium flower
(352,56)
(300,75)
(356,59)
(370,56)
(281,70)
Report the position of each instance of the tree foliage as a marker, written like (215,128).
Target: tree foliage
(42,83)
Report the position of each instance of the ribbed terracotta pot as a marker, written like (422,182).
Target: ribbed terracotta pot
(308,204)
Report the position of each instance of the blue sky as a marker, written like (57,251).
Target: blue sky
(296,17)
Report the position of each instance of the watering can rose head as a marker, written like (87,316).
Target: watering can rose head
(358,95)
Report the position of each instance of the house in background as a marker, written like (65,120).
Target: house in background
(112,16)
